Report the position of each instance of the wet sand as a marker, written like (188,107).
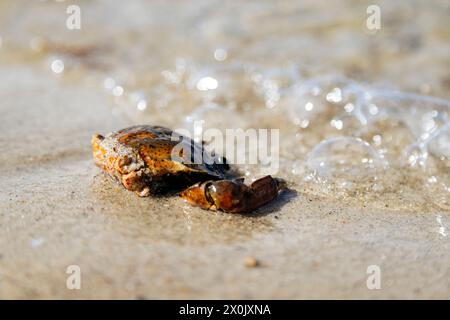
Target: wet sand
(57,209)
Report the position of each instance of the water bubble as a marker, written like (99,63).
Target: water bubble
(309,106)
(220,54)
(373,109)
(109,83)
(298,168)
(138,99)
(417,155)
(179,76)
(421,114)
(349,107)
(207,83)
(324,100)
(141,105)
(271,93)
(336,123)
(377,139)
(117,91)
(303,124)
(57,66)
(439,145)
(432,179)
(334,95)
(344,157)
(225,85)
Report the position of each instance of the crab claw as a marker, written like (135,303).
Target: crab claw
(233,195)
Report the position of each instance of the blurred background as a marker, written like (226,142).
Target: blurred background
(136,41)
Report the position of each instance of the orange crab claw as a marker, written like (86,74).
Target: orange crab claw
(233,195)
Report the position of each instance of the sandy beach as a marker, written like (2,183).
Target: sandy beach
(58,209)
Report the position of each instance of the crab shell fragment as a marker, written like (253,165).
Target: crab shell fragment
(153,159)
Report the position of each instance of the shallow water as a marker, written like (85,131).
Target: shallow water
(264,67)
